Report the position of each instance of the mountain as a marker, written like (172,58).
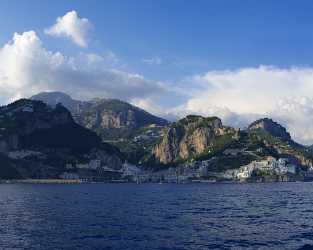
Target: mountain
(113,119)
(53,98)
(198,139)
(110,118)
(271,127)
(191,137)
(37,140)
(119,123)
(155,144)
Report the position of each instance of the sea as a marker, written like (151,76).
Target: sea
(156,216)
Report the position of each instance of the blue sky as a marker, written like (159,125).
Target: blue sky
(189,36)
(236,59)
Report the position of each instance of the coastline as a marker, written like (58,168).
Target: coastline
(80,181)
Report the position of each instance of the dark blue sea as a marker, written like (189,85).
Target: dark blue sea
(154,216)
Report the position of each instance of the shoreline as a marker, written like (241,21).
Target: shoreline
(79,181)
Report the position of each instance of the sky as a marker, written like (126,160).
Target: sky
(236,59)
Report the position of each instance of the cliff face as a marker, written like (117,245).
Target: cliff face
(276,136)
(189,137)
(271,127)
(110,118)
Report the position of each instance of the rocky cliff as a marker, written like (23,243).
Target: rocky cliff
(274,136)
(271,127)
(197,139)
(190,137)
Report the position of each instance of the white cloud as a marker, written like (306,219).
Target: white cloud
(71,26)
(150,105)
(239,96)
(154,60)
(29,68)
(250,90)
(297,115)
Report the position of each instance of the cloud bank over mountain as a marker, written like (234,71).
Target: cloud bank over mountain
(244,94)
(31,68)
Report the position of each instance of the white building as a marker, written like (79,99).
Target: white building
(95,164)
(21,154)
(69,166)
(69,176)
(270,165)
(82,165)
(130,170)
(92,164)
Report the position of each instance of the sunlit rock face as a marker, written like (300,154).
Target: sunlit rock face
(189,137)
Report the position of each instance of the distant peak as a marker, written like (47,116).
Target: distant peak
(270,126)
(51,94)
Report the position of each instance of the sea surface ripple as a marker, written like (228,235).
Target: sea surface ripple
(153,216)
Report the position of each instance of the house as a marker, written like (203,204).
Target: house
(82,165)
(130,170)
(233,152)
(69,176)
(94,164)
(69,166)
(244,175)
(246,171)
(21,154)
(291,168)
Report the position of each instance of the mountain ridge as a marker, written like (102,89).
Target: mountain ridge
(102,114)
(44,141)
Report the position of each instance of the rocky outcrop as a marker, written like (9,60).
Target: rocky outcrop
(189,137)
(271,127)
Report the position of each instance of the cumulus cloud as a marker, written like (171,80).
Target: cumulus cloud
(248,93)
(237,96)
(250,90)
(297,115)
(71,26)
(30,68)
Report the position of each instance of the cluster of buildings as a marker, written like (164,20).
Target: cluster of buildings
(198,170)
(91,165)
(21,154)
(180,174)
(72,168)
(202,171)
(153,131)
(270,166)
